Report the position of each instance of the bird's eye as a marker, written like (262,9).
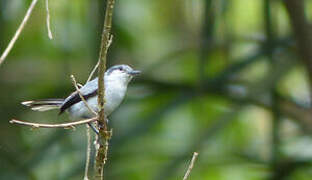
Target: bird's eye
(120,69)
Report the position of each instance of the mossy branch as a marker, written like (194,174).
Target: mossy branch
(104,133)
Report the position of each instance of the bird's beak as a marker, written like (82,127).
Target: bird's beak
(134,73)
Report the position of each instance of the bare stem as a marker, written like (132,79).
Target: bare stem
(18,32)
(104,134)
(93,71)
(48,20)
(97,64)
(69,125)
(187,174)
(88,153)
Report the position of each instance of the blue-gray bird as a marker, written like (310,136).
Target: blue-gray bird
(116,80)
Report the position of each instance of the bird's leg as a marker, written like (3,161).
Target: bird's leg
(93,128)
(101,124)
(109,132)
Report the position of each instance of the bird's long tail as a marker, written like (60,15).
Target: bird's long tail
(44,105)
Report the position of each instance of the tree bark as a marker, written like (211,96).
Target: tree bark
(104,133)
(302,32)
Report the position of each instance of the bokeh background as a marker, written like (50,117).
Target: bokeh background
(228,79)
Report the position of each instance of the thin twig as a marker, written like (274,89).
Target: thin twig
(18,32)
(81,96)
(93,71)
(62,125)
(97,64)
(88,153)
(88,128)
(48,20)
(187,174)
(110,41)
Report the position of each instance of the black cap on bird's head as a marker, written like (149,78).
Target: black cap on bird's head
(121,73)
(123,69)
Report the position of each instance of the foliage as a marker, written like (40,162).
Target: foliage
(224,78)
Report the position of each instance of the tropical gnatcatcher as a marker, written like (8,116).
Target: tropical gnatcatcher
(116,80)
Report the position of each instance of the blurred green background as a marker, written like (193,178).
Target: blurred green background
(228,79)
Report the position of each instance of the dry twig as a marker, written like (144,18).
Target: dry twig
(18,32)
(61,125)
(97,64)
(187,174)
(48,20)
(88,152)
(81,96)
(93,71)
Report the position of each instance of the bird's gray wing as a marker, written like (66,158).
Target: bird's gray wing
(87,91)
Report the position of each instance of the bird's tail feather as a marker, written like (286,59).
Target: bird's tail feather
(44,105)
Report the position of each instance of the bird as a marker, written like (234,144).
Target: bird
(116,80)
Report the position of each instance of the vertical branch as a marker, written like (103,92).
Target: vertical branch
(3,24)
(104,134)
(302,32)
(206,39)
(276,116)
(269,48)
(88,153)
(276,142)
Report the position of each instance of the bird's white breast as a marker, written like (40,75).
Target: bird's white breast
(114,94)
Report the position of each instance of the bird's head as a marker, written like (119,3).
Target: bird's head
(122,73)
